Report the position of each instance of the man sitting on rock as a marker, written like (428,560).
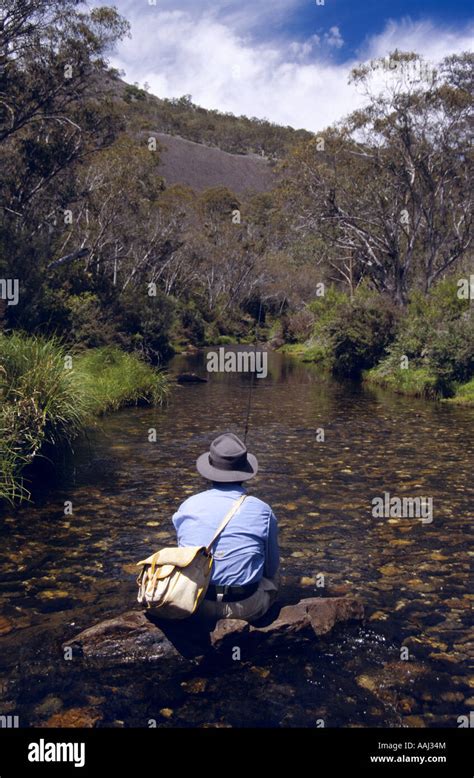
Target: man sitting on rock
(244,577)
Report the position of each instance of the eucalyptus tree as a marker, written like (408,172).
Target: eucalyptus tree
(53,114)
(389,190)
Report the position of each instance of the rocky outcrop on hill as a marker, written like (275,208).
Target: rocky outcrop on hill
(202,167)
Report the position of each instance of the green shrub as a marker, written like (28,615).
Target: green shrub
(325,309)
(144,323)
(450,353)
(316,352)
(436,336)
(88,324)
(464,394)
(193,325)
(133,92)
(359,334)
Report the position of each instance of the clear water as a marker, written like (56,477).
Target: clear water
(62,573)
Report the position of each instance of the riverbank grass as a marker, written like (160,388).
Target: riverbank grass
(410,381)
(308,352)
(418,382)
(464,394)
(49,396)
(112,379)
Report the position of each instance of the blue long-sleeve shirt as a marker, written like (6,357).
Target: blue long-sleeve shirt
(248,547)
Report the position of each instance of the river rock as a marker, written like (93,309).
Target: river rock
(74,717)
(309,617)
(228,628)
(137,636)
(131,637)
(190,378)
(6,626)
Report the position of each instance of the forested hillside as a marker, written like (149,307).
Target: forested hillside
(116,240)
(180,116)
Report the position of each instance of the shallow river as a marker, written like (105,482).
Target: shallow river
(61,573)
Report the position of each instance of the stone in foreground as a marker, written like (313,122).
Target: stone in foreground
(137,636)
(130,637)
(309,617)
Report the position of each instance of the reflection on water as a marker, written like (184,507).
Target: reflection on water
(61,573)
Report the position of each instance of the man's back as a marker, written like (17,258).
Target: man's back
(248,547)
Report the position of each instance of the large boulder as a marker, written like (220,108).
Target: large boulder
(130,637)
(314,616)
(320,614)
(137,636)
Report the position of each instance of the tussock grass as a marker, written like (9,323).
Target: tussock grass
(44,401)
(412,381)
(309,352)
(111,379)
(418,382)
(464,394)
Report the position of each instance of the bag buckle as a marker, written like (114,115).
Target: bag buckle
(221,591)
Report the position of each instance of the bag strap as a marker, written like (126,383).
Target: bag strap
(225,521)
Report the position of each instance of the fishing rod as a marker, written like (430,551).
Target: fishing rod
(252,380)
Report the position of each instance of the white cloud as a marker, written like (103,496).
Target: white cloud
(334,38)
(296,83)
(302,49)
(423,37)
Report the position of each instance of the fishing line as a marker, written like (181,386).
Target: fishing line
(252,380)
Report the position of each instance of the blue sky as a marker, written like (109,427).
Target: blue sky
(358,20)
(285,60)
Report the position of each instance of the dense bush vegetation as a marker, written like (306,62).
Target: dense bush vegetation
(434,347)
(349,335)
(88,224)
(359,334)
(426,349)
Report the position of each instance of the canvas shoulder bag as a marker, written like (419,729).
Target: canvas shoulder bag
(174,580)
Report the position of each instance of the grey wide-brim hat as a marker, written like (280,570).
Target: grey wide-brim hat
(227,460)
